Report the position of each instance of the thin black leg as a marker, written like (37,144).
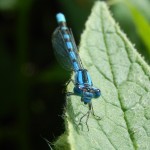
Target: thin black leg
(91,110)
(70,80)
(70,93)
(94,113)
(87,114)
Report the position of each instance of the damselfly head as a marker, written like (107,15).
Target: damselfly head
(87,96)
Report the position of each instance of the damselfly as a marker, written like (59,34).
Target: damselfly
(67,53)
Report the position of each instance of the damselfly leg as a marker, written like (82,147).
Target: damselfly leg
(70,93)
(70,80)
(91,110)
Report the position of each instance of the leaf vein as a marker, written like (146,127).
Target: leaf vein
(109,60)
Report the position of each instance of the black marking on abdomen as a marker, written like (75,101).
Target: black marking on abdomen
(84,75)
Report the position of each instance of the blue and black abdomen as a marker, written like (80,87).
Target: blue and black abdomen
(65,47)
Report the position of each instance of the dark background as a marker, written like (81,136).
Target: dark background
(31,81)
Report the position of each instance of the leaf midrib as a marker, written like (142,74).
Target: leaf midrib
(113,77)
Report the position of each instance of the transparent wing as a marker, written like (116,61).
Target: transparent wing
(75,49)
(60,50)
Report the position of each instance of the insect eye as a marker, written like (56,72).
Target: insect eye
(79,87)
(98,90)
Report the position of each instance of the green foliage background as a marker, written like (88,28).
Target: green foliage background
(30,78)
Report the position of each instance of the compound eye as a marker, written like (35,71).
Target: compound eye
(98,90)
(80,87)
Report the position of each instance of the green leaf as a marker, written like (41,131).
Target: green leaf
(133,17)
(141,24)
(124,79)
